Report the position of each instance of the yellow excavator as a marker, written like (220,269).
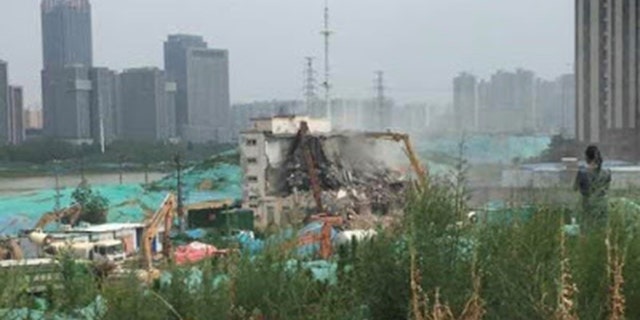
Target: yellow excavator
(10,250)
(164,216)
(421,171)
(72,213)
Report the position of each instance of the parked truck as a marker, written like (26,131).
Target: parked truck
(105,251)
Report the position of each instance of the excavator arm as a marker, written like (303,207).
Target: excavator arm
(419,169)
(10,250)
(302,141)
(164,215)
(73,213)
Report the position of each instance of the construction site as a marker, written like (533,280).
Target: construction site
(305,210)
(296,172)
(331,207)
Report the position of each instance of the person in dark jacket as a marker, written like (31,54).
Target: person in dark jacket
(593,182)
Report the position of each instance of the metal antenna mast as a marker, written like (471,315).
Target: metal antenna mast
(310,87)
(327,85)
(380,100)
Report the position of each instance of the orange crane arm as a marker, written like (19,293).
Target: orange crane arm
(72,212)
(164,215)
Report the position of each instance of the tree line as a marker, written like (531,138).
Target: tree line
(47,150)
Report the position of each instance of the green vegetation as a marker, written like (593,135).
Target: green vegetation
(44,150)
(44,155)
(94,206)
(518,268)
(560,147)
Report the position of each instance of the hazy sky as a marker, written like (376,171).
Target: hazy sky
(420,44)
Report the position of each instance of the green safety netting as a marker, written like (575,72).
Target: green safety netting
(128,202)
(217,179)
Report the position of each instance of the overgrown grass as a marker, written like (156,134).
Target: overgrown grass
(517,265)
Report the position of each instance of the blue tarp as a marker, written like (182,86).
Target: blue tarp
(314,228)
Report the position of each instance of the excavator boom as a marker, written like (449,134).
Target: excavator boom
(164,215)
(73,213)
(420,171)
(302,141)
(10,250)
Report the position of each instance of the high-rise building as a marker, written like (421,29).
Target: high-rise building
(4,101)
(507,102)
(465,101)
(147,103)
(104,104)
(607,72)
(202,88)
(514,102)
(67,104)
(567,85)
(555,105)
(412,118)
(67,59)
(66,33)
(352,114)
(15,123)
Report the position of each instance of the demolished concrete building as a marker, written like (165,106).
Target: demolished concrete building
(356,172)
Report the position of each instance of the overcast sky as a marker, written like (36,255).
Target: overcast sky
(420,44)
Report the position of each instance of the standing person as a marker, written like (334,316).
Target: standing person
(593,183)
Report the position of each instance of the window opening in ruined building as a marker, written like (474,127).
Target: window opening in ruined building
(252,179)
(252,160)
(252,142)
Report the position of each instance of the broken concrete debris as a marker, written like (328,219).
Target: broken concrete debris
(297,166)
(350,184)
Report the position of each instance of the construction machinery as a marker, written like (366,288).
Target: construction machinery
(164,216)
(10,250)
(302,141)
(421,172)
(71,213)
(328,221)
(105,251)
(324,236)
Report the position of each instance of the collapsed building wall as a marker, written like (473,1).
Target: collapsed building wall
(357,175)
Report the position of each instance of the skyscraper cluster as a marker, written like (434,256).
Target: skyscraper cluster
(87,104)
(513,102)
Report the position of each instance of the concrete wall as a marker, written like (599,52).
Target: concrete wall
(622,178)
(290,125)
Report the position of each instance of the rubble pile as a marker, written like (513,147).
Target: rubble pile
(352,182)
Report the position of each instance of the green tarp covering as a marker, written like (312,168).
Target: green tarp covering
(128,201)
(216,180)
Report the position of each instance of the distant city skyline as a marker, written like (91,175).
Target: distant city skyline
(419,44)
(514,101)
